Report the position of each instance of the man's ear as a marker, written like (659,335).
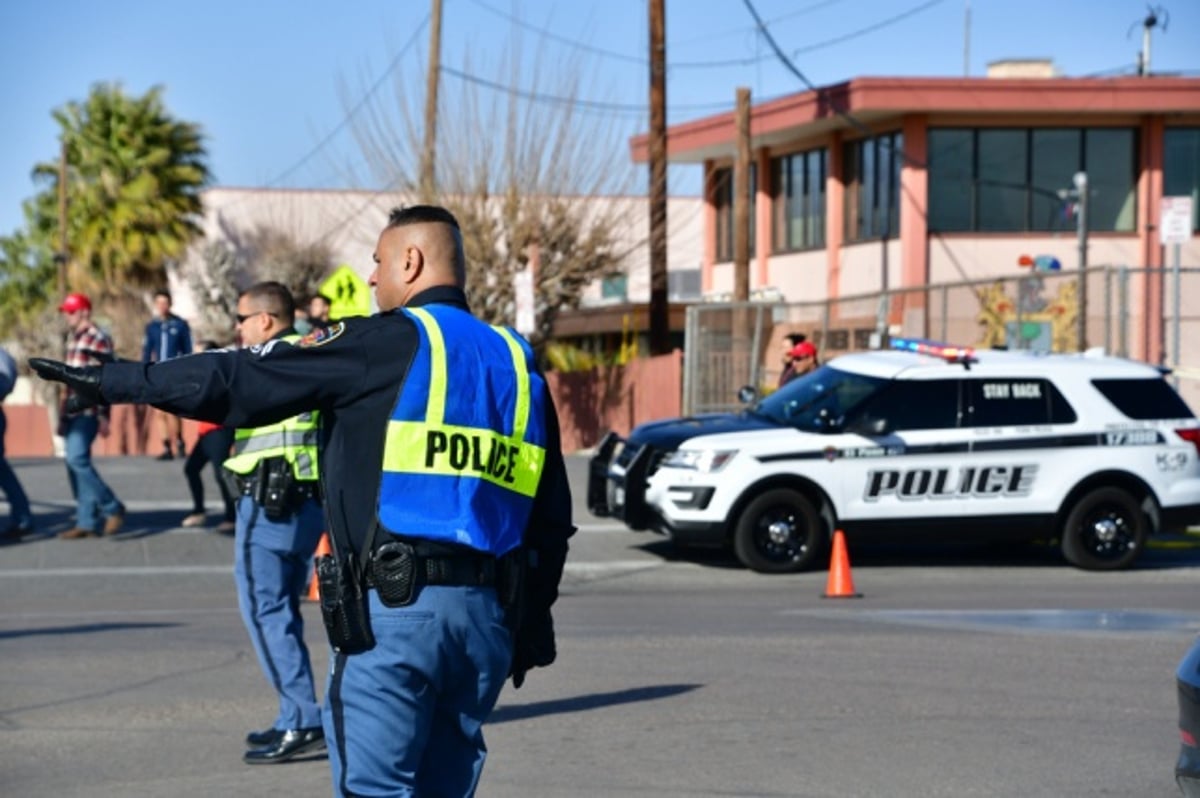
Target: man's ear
(414,262)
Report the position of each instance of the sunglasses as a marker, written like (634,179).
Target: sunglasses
(242,319)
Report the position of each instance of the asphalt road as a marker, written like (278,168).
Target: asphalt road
(974,672)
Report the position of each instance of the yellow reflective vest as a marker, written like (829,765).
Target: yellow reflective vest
(295,440)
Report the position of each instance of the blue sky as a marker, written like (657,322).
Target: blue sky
(272,82)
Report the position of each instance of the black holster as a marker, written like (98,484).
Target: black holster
(344,605)
(275,489)
(510,573)
(393,573)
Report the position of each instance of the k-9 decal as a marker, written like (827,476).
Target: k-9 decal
(916,484)
(1171,461)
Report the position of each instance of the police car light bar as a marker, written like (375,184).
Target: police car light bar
(949,352)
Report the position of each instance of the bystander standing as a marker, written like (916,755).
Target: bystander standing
(87,345)
(20,517)
(167,336)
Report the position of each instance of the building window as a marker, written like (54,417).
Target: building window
(873,187)
(1181,167)
(722,187)
(614,287)
(798,201)
(1009,180)
(1002,166)
(683,284)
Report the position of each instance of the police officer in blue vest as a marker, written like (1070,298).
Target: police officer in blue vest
(279,522)
(446,498)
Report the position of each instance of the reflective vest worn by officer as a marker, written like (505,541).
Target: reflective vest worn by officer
(463,457)
(295,440)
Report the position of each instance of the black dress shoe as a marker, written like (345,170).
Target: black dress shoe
(259,739)
(291,743)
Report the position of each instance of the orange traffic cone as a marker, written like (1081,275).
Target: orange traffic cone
(840,583)
(314,590)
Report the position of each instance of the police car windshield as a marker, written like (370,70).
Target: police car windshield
(820,400)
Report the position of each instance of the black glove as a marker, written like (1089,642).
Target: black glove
(534,646)
(83,380)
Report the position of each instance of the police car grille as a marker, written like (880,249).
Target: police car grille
(627,453)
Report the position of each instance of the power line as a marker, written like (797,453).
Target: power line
(395,61)
(640,61)
(754,29)
(791,67)
(631,59)
(354,110)
(584,105)
(869,29)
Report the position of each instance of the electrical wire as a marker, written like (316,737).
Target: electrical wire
(708,64)
(354,109)
(869,29)
(583,105)
(791,67)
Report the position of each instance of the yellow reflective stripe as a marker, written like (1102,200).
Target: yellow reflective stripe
(521,411)
(435,408)
(415,447)
(283,439)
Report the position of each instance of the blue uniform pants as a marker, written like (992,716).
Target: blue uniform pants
(406,717)
(272,564)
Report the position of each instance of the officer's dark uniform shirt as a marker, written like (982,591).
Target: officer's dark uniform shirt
(352,374)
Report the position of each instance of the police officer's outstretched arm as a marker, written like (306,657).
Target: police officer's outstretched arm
(237,388)
(545,543)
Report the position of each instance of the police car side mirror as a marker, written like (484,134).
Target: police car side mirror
(869,427)
(747,394)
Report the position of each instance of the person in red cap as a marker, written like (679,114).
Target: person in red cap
(799,357)
(87,345)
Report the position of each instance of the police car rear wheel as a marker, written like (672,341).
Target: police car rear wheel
(779,532)
(1105,531)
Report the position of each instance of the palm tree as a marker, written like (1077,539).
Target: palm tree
(134,176)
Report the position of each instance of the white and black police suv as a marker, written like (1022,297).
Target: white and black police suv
(924,441)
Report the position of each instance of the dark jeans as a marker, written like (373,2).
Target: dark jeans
(211,447)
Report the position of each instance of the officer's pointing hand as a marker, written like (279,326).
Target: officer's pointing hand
(85,381)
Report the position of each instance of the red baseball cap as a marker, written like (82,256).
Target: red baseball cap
(803,349)
(74,303)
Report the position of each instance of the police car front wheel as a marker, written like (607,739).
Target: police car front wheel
(779,531)
(1105,531)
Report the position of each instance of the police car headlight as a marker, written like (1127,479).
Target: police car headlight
(706,460)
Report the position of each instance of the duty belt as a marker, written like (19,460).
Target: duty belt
(434,564)
(307,489)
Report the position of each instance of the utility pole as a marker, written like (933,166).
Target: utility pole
(660,331)
(62,256)
(428,185)
(741,200)
(1081,208)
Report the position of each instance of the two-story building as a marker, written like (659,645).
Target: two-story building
(885,183)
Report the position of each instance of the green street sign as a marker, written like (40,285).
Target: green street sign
(349,293)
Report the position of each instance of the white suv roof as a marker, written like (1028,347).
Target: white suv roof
(914,366)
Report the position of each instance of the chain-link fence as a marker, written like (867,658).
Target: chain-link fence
(1137,313)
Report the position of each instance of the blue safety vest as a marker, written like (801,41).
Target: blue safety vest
(466,440)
